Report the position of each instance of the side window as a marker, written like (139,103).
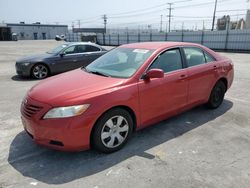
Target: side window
(168,61)
(209,58)
(81,48)
(194,56)
(90,48)
(70,50)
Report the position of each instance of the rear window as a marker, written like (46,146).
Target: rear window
(194,56)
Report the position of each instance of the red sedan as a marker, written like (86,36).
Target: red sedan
(129,88)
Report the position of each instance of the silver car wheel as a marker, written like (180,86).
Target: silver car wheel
(40,71)
(114,131)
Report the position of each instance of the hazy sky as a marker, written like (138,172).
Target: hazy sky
(129,13)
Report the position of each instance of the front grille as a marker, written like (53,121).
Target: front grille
(29,110)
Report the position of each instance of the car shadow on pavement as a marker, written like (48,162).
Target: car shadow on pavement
(54,167)
(22,78)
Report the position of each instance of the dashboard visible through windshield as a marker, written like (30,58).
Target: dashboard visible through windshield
(120,62)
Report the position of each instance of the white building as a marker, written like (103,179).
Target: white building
(37,31)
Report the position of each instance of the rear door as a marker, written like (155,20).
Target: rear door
(202,74)
(161,97)
(89,54)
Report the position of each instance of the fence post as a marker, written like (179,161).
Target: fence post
(127,38)
(150,37)
(202,37)
(166,36)
(226,41)
(139,39)
(109,40)
(182,36)
(118,39)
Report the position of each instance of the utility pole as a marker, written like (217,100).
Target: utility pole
(215,6)
(105,22)
(79,24)
(161,25)
(169,16)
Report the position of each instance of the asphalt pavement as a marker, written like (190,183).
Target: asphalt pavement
(199,148)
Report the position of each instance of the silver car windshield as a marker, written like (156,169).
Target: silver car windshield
(120,62)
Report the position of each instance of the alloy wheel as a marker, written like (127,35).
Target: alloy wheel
(40,71)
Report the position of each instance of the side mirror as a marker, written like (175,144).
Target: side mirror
(154,73)
(62,54)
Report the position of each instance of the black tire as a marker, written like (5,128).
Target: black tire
(102,128)
(40,71)
(217,95)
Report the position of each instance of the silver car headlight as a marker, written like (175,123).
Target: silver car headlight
(68,111)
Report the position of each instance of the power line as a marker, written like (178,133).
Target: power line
(199,4)
(234,10)
(137,14)
(139,10)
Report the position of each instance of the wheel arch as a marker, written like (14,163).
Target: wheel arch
(224,80)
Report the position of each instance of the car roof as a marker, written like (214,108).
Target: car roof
(158,45)
(82,43)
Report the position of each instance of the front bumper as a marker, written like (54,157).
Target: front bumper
(23,70)
(66,134)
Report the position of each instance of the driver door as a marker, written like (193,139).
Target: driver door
(163,97)
(68,61)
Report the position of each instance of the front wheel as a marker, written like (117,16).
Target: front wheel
(217,95)
(112,130)
(40,71)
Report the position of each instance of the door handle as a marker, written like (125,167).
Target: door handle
(74,60)
(183,76)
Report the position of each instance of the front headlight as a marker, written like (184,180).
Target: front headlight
(26,64)
(63,112)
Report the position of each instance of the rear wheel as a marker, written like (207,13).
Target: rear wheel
(112,130)
(40,71)
(217,95)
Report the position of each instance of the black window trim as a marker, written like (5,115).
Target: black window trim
(82,52)
(163,51)
(206,53)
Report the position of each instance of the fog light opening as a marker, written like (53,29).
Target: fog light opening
(57,143)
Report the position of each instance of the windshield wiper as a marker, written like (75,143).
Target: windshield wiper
(96,72)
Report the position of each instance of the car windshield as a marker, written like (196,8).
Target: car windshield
(57,49)
(120,62)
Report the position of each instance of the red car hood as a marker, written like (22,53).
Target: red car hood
(68,86)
